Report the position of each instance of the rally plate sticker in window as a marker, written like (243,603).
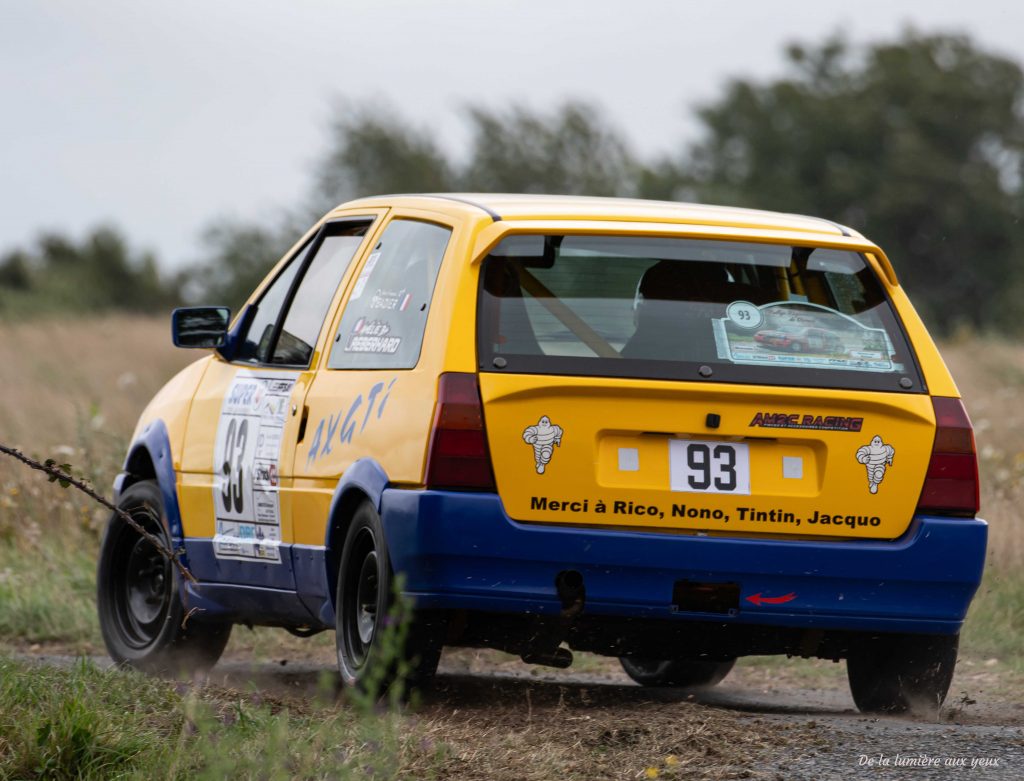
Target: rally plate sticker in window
(788,333)
(246,461)
(702,467)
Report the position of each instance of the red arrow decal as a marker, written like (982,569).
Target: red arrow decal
(757,599)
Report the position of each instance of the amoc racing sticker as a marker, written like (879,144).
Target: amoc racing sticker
(803,421)
(246,459)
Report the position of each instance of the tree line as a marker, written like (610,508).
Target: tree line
(917,142)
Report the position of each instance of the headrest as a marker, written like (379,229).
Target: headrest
(674,280)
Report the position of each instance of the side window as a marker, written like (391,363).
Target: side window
(313,298)
(256,346)
(386,314)
(302,292)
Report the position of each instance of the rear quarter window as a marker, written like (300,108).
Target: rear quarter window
(386,313)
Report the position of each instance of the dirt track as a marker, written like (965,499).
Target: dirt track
(754,725)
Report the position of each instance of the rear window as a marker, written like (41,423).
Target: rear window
(688,309)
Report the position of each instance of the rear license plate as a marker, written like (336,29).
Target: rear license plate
(709,467)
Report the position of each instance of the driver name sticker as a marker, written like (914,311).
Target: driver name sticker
(246,462)
(372,336)
(392,300)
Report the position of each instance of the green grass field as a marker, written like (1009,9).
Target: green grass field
(86,723)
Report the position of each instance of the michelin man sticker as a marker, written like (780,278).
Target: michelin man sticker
(544,436)
(876,456)
(246,461)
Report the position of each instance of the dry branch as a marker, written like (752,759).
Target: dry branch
(66,479)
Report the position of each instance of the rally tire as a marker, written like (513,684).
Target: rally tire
(138,596)
(897,673)
(681,673)
(364,599)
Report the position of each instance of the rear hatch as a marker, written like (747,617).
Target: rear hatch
(702,386)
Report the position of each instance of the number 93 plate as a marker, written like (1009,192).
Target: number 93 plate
(709,467)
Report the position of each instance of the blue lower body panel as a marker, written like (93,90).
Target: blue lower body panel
(461,551)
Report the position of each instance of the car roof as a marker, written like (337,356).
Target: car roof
(500,206)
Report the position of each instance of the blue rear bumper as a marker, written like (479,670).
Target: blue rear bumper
(460,550)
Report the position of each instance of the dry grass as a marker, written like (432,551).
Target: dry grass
(990,375)
(67,383)
(72,390)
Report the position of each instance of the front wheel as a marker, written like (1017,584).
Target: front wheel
(138,596)
(372,652)
(683,673)
(895,673)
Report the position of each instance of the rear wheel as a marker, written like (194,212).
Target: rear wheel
(895,673)
(138,596)
(368,656)
(683,673)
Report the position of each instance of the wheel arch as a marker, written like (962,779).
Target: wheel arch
(149,458)
(365,480)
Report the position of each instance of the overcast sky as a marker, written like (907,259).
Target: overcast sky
(160,117)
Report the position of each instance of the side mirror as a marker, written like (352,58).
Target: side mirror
(200,326)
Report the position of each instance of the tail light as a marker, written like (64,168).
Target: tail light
(458,455)
(951,484)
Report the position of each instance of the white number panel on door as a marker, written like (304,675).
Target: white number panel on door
(246,463)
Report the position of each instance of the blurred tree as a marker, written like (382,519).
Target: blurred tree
(917,142)
(571,151)
(372,152)
(238,257)
(99,273)
(14,271)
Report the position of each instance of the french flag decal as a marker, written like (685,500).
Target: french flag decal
(405,302)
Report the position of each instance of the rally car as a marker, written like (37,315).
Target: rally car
(549,420)
(796,339)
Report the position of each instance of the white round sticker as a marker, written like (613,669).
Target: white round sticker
(744,314)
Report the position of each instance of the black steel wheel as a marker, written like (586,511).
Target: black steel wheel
(363,601)
(896,673)
(138,596)
(682,673)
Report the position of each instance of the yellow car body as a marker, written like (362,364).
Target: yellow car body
(599,462)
